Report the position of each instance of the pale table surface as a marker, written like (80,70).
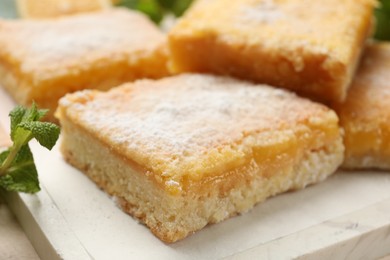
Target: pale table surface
(13,242)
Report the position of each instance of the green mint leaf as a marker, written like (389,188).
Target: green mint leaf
(152,9)
(20,115)
(156,9)
(34,114)
(17,168)
(382,15)
(46,133)
(180,7)
(16,116)
(167,4)
(3,155)
(21,136)
(22,175)
(132,4)
(149,7)
(41,113)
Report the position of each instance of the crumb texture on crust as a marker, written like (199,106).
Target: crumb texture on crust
(171,217)
(365,115)
(282,43)
(45,59)
(185,151)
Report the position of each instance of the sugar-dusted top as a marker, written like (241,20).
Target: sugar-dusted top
(188,126)
(330,29)
(65,45)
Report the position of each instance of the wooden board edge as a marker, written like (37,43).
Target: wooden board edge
(362,234)
(45,226)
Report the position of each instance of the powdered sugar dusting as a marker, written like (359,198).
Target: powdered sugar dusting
(180,119)
(80,39)
(172,183)
(264,12)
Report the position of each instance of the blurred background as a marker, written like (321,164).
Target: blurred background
(382,14)
(160,10)
(157,9)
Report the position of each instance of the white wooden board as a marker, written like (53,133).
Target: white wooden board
(347,216)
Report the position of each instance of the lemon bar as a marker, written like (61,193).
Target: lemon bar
(184,151)
(42,60)
(310,47)
(365,116)
(53,8)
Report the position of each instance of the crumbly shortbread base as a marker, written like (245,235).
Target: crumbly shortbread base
(173,217)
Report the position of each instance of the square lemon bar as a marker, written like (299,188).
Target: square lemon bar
(310,47)
(184,151)
(365,115)
(42,60)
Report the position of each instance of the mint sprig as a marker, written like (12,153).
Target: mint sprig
(382,15)
(17,167)
(157,9)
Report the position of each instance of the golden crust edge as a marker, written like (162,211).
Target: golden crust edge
(159,210)
(23,92)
